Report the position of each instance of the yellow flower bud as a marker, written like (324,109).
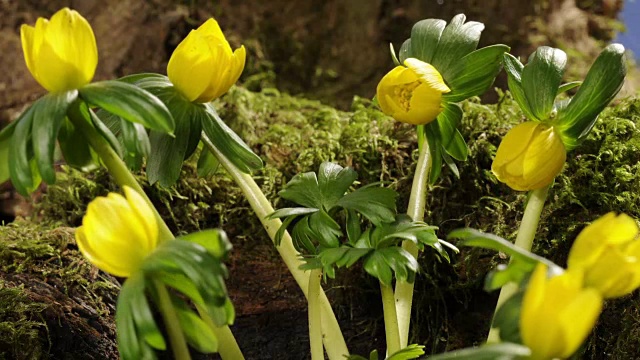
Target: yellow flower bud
(608,251)
(412,94)
(557,314)
(61,54)
(118,232)
(529,157)
(203,67)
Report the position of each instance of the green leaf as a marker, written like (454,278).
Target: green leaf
(396,62)
(568,86)
(321,191)
(5,145)
(412,351)
(451,164)
(333,182)
(102,129)
(49,113)
(501,351)
(354,231)
(457,40)
(603,81)
(377,204)
(432,134)
(376,266)
(450,138)
(75,148)
(143,318)
(284,212)
(474,73)
(513,67)
(326,230)
(541,78)
(515,271)
(473,237)
(23,178)
(169,152)
(303,236)
(136,329)
(214,240)
(507,318)
(130,103)
(303,189)
(207,163)
(136,143)
(425,36)
(198,334)
(227,141)
(405,51)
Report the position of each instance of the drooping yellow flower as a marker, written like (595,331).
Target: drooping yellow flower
(412,93)
(608,251)
(557,314)
(203,67)
(61,54)
(118,232)
(529,157)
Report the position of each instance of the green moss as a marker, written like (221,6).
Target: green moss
(451,309)
(31,255)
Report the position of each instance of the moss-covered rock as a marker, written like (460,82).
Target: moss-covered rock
(53,304)
(451,309)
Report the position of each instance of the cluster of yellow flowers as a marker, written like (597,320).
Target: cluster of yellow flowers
(62,55)
(559,312)
(117,232)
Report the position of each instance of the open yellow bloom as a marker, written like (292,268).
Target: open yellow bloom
(118,232)
(529,157)
(608,251)
(557,314)
(61,54)
(412,94)
(203,67)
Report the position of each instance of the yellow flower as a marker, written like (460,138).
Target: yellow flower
(203,67)
(608,251)
(529,157)
(61,54)
(557,314)
(412,94)
(117,233)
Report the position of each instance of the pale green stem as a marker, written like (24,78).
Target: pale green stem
(416,208)
(227,345)
(172,323)
(390,319)
(334,342)
(526,234)
(116,167)
(315,312)
(123,177)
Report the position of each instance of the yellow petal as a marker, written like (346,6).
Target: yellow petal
(514,144)
(544,159)
(27,34)
(578,319)
(426,105)
(427,73)
(61,54)
(211,31)
(145,216)
(613,275)
(190,66)
(608,230)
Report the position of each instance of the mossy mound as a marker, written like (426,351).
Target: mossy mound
(451,309)
(53,304)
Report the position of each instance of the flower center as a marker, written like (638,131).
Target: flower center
(404,92)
